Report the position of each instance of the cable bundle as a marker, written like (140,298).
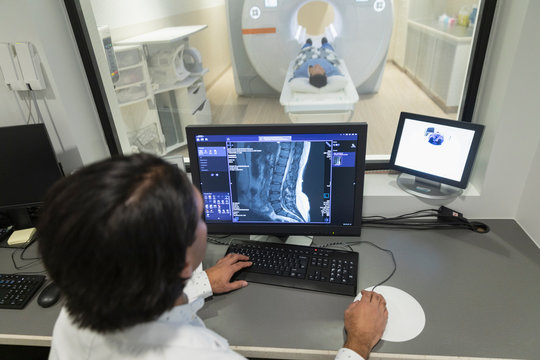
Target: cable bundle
(428,219)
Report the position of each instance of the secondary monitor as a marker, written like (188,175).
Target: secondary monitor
(28,166)
(434,155)
(286,179)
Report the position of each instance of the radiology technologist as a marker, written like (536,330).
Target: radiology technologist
(123,239)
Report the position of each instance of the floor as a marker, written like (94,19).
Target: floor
(381,111)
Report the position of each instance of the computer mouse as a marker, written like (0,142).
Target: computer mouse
(49,295)
(406,318)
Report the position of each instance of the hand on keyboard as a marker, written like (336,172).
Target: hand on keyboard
(220,274)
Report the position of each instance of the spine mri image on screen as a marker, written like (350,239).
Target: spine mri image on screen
(286,181)
(291,179)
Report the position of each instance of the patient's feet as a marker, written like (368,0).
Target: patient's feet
(324,40)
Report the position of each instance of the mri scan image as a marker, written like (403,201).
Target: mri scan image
(280,181)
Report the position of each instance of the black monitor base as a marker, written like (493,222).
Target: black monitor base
(288,239)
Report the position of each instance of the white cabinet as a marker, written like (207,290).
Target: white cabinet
(133,84)
(136,100)
(437,57)
(195,108)
(152,67)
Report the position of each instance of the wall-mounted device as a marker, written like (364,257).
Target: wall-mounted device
(30,64)
(11,71)
(105,35)
(438,153)
(21,66)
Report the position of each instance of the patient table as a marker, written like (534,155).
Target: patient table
(334,102)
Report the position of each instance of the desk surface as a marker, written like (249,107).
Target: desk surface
(479,293)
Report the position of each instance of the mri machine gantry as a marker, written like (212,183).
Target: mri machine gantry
(265,37)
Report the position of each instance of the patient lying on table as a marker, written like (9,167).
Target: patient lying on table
(316,64)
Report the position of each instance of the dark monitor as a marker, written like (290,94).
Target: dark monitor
(438,153)
(29,167)
(280,179)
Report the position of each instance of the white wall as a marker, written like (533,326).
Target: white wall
(119,13)
(528,211)
(68,98)
(527,77)
(426,9)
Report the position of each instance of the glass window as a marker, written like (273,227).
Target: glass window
(157,66)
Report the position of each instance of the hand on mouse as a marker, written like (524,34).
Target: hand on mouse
(365,321)
(220,274)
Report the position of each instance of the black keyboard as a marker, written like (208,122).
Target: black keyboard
(17,289)
(302,267)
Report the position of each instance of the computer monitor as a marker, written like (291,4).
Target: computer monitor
(29,167)
(280,179)
(438,153)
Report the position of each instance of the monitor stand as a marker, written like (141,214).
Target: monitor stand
(20,218)
(288,239)
(427,188)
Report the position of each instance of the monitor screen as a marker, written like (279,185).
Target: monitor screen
(287,179)
(435,149)
(28,166)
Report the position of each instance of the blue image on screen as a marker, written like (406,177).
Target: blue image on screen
(434,138)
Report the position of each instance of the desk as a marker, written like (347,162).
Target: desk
(479,292)
(32,325)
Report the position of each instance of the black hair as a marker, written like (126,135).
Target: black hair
(318,80)
(113,237)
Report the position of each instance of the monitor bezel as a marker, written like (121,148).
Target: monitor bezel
(462,183)
(283,229)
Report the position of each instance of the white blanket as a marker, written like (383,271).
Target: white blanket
(338,95)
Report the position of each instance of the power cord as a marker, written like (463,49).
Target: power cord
(442,218)
(32,260)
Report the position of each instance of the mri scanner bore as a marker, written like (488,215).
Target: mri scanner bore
(266,35)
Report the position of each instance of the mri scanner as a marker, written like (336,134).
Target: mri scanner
(265,37)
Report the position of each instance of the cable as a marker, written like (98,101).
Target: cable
(214,239)
(430,212)
(33,260)
(29,107)
(40,117)
(444,219)
(53,124)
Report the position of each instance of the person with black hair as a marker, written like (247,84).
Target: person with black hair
(317,64)
(124,240)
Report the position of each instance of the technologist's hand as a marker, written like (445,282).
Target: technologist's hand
(365,321)
(220,274)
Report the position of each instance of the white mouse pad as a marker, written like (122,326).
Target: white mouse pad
(406,318)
